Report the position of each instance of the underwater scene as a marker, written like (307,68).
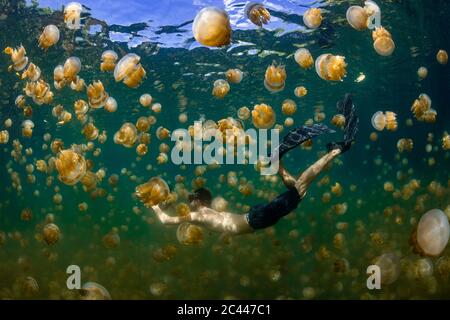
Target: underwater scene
(108,109)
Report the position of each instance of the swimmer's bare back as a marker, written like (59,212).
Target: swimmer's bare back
(221,222)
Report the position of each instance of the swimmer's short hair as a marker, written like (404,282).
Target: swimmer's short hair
(202,195)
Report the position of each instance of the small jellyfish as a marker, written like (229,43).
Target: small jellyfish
(127,135)
(51,233)
(157,107)
(153,192)
(338,120)
(96,95)
(389,264)
(312,18)
(81,107)
(71,68)
(221,88)
(300,92)
(71,166)
(421,106)
(49,37)
(387,120)
(275,77)
(383,43)
(212,27)
(330,67)
(90,131)
(422,73)
(263,116)
(243,113)
(234,75)
(145,100)
(304,58)
(109,59)
(129,70)
(162,133)
(442,57)
(72,15)
(33,72)
(432,233)
(111,240)
(78,84)
(289,107)
(189,234)
(143,124)
(363,18)
(39,91)
(141,149)
(111,104)
(27,128)
(4,137)
(405,145)
(94,291)
(257,13)
(446,141)
(18,57)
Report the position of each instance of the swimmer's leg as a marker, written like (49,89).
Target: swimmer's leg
(307,177)
(297,136)
(348,109)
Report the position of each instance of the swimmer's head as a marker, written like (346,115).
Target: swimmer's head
(201,197)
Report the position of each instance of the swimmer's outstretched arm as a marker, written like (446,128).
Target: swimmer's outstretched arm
(308,176)
(166,219)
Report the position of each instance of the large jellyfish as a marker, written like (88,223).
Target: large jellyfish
(257,13)
(129,70)
(153,192)
(330,67)
(212,27)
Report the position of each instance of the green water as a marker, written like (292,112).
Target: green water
(279,262)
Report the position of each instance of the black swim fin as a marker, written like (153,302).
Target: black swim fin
(348,109)
(298,135)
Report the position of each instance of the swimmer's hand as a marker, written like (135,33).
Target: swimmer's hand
(157,209)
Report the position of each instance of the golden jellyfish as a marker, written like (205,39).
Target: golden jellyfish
(429,116)
(243,113)
(72,15)
(312,18)
(145,100)
(421,106)
(387,120)
(18,57)
(26,214)
(212,27)
(362,18)
(162,158)
(90,131)
(129,70)
(446,141)
(39,91)
(111,240)
(263,116)
(33,72)
(71,68)
(81,108)
(78,84)
(111,104)
(234,75)
(383,43)
(153,192)
(422,73)
(49,37)
(289,107)
(220,88)
(143,124)
(389,264)
(275,77)
(27,128)
(338,120)
(162,133)
(432,234)
(41,165)
(109,59)
(219,204)
(189,234)
(288,122)
(94,291)
(96,95)
(20,101)
(157,107)
(51,233)
(304,58)
(442,57)
(4,137)
(182,117)
(144,138)
(257,13)
(71,166)
(89,180)
(330,67)
(127,135)
(57,145)
(300,91)
(141,149)
(405,145)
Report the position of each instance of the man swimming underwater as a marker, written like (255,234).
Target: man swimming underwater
(265,215)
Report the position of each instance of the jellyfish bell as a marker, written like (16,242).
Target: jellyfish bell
(442,57)
(127,135)
(153,192)
(78,84)
(243,113)
(357,17)
(212,27)
(71,68)
(71,166)
(300,91)
(189,234)
(234,75)
(72,15)
(383,43)
(49,37)
(389,264)
(432,233)
(289,107)
(304,58)
(257,13)
(145,100)
(312,18)
(94,291)
(275,78)
(33,72)
(129,70)
(422,73)
(379,121)
(51,233)
(330,67)
(111,104)
(18,57)
(221,88)
(96,95)
(263,116)
(109,59)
